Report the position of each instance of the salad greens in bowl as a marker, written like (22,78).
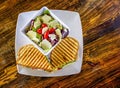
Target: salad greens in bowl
(46,30)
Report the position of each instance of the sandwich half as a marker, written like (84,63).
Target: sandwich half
(30,56)
(64,53)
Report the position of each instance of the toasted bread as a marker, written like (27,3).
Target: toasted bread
(65,52)
(30,56)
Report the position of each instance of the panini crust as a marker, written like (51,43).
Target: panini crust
(65,52)
(30,56)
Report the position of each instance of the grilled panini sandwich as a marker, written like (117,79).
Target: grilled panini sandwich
(30,56)
(65,52)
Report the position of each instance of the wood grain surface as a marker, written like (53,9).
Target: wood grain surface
(101,33)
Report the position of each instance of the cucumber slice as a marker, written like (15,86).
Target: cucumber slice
(58,32)
(45,44)
(55,24)
(31,34)
(37,23)
(39,36)
(36,40)
(46,18)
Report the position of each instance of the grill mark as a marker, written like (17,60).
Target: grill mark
(20,57)
(38,56)
(47,64)
(54,61)
(58,59)
(42,62)
(68,60)
(40,59)
(67,49)
(69,43)
(46,67)
(72,44)
(23,56)
(49,67)
(23,50)
(29,57)
(74,41)
(65,52)
(34,57)
(54,65)
(26,59)
(20,51)
(59,55)
(39,62)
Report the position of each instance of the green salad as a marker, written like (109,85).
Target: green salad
(46,31)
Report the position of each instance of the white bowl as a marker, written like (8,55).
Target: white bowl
(38,14)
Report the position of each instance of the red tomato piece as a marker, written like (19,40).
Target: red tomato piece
(45,36)
(51,30)
(44,25)
(59,68)
(39,30)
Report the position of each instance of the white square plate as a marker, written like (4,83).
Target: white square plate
(72,20)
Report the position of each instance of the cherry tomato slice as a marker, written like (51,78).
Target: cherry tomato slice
(51,30)
(39,30)
(44,25)
(45,36)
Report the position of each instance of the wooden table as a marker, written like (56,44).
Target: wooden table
(101,33)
